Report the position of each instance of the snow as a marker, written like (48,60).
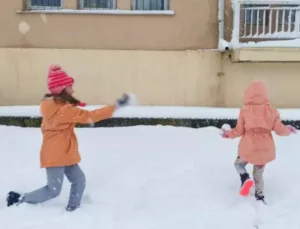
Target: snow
(294,43)
(151,178)
(223,45)
(276,35)
(154,112)
(290,2)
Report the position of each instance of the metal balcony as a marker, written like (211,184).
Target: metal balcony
(265,20)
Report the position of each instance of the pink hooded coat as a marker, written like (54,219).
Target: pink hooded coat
(255,123)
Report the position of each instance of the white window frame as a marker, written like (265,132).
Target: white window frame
(114,6)
(29,6)
(248,20)
(166,5)
(247,17)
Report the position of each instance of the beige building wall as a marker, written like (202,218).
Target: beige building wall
(281,79)
(183,78)
(158,78)
(194,25)
(103,52)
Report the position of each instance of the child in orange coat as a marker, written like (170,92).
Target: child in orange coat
(59,153)
(255,123)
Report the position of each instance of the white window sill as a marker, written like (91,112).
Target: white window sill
(96,11)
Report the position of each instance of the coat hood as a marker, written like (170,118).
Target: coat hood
(256,94)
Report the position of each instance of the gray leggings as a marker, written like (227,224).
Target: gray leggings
(55,177)
(258,171)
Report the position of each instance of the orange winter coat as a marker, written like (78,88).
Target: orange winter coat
(60,146)
(255,123)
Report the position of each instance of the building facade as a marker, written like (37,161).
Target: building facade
(165,51)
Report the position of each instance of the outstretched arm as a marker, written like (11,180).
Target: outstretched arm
(73,114)
(239,130)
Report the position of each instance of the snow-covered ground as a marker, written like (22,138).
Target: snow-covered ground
(151,178)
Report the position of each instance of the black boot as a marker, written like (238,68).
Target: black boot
(244,177)
(260,197)
(71,208)
(13,198)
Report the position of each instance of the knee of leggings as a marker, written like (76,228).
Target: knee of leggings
(80,181)
(83,181)
(236,163)
(54,191)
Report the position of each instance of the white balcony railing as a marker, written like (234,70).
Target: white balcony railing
(266,19)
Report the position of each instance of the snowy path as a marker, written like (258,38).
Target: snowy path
(151,178)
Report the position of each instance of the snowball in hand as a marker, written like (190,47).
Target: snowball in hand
(132,99)
(226,127)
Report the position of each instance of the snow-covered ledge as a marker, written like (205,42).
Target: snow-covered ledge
(102,11)
(266,55)
(140,111)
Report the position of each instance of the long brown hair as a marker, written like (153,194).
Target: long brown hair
(63,97)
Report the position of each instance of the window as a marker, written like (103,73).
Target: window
(44,4)
(263,13)
(98,4)
(150,4)
(251,15)
(284,16)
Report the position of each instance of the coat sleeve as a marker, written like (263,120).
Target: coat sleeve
(239,130)
(279,127)
(73,114)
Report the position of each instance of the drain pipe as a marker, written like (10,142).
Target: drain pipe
(223,45)
(221,19)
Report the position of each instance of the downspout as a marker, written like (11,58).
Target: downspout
(221,19)
(223,45)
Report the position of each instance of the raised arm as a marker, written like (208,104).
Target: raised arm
(239,130)
(73,114)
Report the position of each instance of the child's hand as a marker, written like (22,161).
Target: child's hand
(225,134)
(125,100)
(292,129)
(225,130)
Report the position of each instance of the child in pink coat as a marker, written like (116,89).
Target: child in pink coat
(255,123)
